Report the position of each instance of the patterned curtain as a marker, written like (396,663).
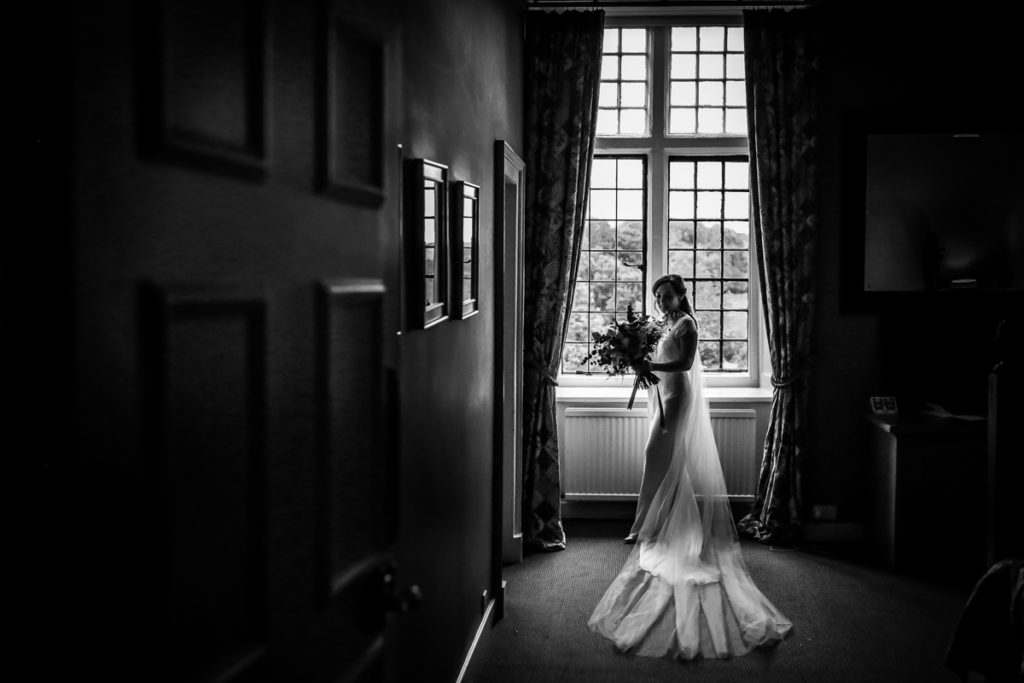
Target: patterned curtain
(780,74)
(562,78)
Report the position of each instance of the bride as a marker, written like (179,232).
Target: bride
(684,589)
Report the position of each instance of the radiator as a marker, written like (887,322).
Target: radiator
(603,452)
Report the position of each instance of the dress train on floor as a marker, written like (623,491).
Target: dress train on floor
(684,589)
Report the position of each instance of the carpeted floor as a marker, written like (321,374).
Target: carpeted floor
(851,622)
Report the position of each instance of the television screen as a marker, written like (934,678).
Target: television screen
(944,211)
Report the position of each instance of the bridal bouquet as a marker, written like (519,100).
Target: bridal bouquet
(626,343)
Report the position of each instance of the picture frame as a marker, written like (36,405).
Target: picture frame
(465,249)
(426,244)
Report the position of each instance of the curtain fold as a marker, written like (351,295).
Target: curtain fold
(562,78)
(780,74)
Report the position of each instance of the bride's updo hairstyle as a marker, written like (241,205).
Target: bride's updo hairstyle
(676,282)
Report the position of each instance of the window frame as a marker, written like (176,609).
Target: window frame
(658,147)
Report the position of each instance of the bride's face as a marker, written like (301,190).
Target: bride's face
(666,298)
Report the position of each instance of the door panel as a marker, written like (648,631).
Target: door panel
(202,96)
(355,472)
(204,411)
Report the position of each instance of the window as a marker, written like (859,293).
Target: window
(611,271)
(622,101)
(709,246)
(669,192)
(707,92)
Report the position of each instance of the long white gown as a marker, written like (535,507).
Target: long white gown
(684,589)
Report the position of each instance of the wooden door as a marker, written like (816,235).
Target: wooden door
(235,228)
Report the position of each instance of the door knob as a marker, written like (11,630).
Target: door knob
(399,599)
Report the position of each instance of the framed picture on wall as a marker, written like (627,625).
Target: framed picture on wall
(426,243)
(465,249)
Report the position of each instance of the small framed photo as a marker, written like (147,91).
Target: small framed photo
(883,405)
(465,249)
(425,236)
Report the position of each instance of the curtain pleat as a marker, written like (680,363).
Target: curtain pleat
(780,75)
(562,79)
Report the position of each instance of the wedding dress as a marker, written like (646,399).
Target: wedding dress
(685,589)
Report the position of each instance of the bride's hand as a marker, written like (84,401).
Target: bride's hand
(642,367)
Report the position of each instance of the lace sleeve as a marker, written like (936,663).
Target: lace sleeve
(685,326)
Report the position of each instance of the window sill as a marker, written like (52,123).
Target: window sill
(621,394)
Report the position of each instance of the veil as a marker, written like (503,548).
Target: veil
(685,589)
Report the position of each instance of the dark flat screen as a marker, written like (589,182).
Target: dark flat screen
(944,211)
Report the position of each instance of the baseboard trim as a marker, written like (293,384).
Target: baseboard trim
(599,509)
(476,639)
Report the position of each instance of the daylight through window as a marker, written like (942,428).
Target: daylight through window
(669,190)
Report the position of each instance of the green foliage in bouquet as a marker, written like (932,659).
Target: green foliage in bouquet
(626,343)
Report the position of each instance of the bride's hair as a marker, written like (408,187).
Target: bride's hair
(676,282)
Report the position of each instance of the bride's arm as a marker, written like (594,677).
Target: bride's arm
(688,342)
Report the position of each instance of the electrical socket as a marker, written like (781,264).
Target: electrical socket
(825,513)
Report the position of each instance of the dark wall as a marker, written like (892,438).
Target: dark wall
(891,57)
(462,77)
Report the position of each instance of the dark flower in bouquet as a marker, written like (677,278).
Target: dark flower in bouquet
(625,344)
